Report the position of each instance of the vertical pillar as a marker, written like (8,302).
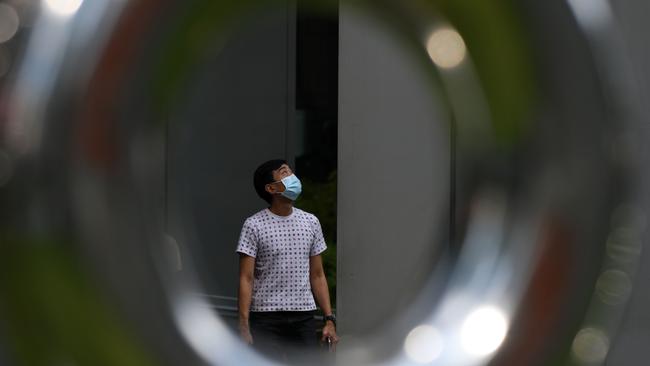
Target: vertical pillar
(393,189)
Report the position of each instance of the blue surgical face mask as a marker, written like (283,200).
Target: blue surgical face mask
(292,186)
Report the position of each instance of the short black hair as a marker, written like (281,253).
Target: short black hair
(264,175)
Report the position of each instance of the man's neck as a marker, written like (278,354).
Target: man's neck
(281,207)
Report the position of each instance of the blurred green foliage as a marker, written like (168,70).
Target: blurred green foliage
(53,315)
(499,46)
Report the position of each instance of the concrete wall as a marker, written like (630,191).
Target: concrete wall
(394,163)
(238,112)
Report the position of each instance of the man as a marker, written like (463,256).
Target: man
(281,275)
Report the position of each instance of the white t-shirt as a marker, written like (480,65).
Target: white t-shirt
(281,246)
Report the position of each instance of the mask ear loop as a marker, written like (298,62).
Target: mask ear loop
(277,181)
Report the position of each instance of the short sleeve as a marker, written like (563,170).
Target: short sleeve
(318,245)
(248,240)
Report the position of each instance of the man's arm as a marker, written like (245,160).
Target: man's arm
(246,268)
(321,294)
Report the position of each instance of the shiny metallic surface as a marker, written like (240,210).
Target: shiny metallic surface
(539,258)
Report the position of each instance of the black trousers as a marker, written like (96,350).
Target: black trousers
(288,336)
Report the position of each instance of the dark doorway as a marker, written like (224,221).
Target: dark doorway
(317,41)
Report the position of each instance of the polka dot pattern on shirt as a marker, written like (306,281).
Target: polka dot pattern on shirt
(281,246)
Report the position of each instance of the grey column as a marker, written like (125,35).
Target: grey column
(393,189)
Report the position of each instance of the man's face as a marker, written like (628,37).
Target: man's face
(282,172)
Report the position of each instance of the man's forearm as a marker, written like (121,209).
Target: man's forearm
(321,294)
(244,300)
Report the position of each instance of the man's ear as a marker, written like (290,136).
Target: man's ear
(270,188)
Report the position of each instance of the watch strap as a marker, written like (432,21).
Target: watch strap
(331,318)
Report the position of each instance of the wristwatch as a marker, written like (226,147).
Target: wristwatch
(330,317)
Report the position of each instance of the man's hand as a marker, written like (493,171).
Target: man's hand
(245,333)
(321,295)
(329,331)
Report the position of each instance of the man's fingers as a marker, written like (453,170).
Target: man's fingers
(333,339)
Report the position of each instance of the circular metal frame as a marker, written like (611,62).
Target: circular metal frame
(542,178)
